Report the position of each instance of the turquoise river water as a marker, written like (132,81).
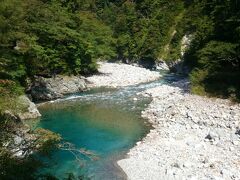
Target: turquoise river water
(103,123)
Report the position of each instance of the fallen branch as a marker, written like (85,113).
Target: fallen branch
(66,146)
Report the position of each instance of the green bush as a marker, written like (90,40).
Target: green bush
(9,91)
(197,78)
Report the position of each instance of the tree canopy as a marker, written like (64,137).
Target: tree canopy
(39,37)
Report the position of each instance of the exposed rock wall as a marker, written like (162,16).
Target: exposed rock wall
(20,139)
(25,109)
(43,89)
(30,112)
(177,66)
(21,143)
(161,65)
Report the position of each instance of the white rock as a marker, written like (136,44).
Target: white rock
(187,164)
(175,140)
(235,142)
(120,75)
(18,140)
(30,110)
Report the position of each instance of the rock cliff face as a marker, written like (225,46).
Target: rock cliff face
(21,143)
(25,109)
(161,65)
(43,89)
(178,66)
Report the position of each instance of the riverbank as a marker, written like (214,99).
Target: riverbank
(115,75)
(110,75)
(193,137)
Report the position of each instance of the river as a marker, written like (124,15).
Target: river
(103,123)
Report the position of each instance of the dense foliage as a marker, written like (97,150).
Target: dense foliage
(214,53)
(142,28)
(39,37)
(46,37)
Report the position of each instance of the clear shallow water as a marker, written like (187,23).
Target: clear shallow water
(105,122)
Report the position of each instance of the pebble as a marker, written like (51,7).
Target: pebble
(120,75)
(192,130)
(187,164)
(235,142)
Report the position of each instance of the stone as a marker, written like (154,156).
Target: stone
(234,142)
(212,136)
(201,151)
(29,111)
(17,140)
(237,132)
(189,115)
(188,126)
(176,165)
(138,143)
(43,89)
(225,173)
(187,164)
(120,75)
(161,65)
(195,126)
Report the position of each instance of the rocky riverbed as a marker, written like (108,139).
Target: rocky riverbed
(45,89)
(110,75)
(119,75)
(193,137)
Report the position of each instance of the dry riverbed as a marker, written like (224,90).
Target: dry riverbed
(119,75)
(193,137)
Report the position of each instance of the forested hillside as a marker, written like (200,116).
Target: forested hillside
(214,53)
(45,38)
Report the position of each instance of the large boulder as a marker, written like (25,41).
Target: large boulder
(43,89)
(29,109)
(161,65)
